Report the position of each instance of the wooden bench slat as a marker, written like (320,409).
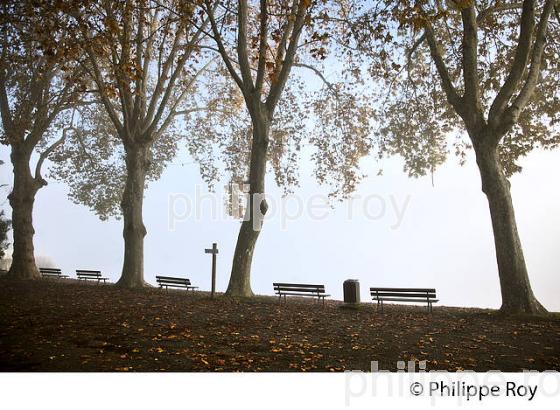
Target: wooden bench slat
(431,290)
(412,300)
(424,300)
(314,295)
(186,282)
(52,273)
(300,289)
(412,295)
(172,280)
(298,285)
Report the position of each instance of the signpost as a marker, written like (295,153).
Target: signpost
(214,251)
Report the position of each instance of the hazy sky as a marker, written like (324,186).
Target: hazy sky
(444,239)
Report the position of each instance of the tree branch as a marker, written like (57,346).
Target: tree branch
(519,64)
(484,14)
(180,98)
(262,47)
(242,56)
(151,125)
(5,106)
(318,73)
(140,65)
(220,44)
(281,77)
(470,58)
(45,154)
(162,77)
(98,78)
(447,85)
(512,113)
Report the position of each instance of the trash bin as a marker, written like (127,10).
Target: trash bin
(351,289)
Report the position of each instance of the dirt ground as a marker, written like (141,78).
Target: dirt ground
(63,325)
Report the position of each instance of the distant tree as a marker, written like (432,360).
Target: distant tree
(39,80)
(5,225)
(490,68)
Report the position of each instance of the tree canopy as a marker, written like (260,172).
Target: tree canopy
(427,55)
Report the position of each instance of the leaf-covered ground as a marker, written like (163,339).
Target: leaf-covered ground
(50,325)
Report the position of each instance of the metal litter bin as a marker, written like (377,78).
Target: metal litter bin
(351,289)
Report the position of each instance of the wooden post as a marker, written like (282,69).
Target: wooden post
(214,252)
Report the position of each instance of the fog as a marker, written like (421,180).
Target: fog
(396,231)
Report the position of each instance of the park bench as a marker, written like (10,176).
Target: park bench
(172,282)
(52,273)
(300,289)
(90,275)
(414,295)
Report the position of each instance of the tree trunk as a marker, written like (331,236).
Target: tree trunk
(134,231)
(517,295)
(240,279)
(21,200)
